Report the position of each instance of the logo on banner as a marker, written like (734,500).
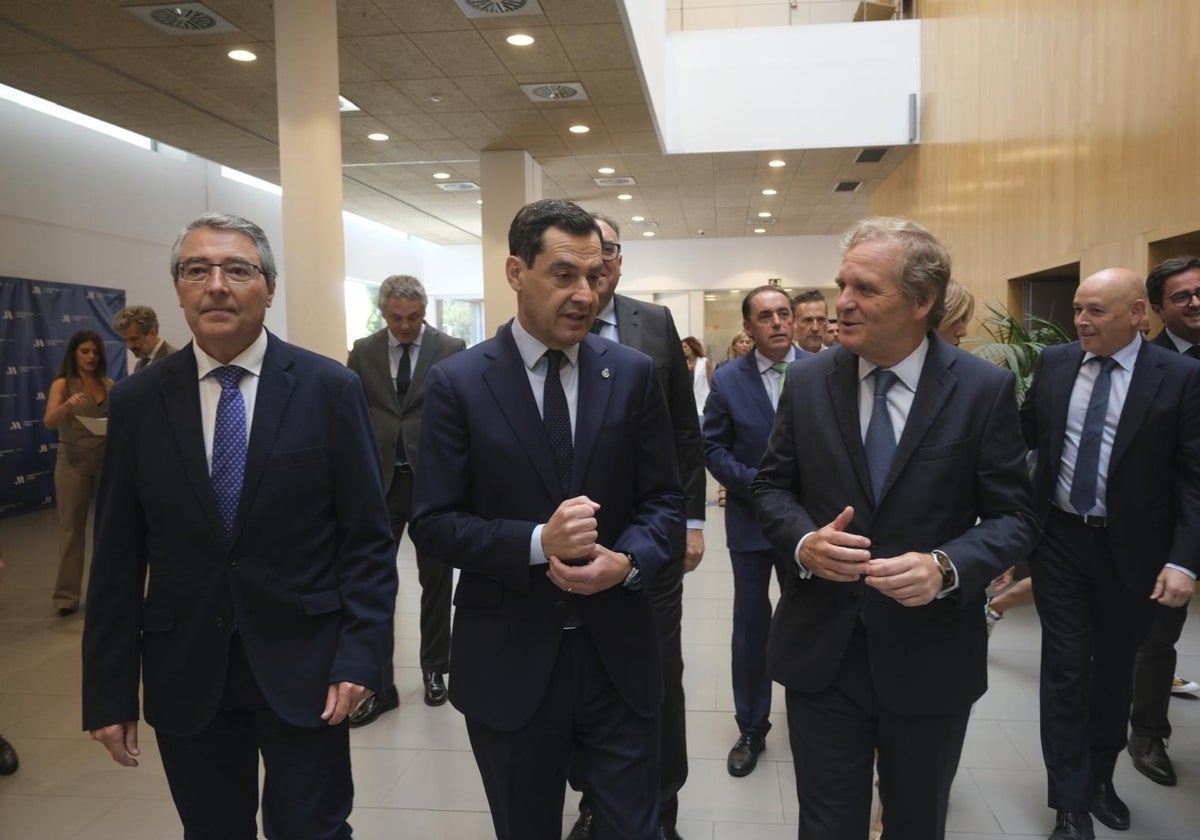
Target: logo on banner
(37,342)
(8,316)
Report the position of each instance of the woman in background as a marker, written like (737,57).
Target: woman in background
(79,390)
(701,370)
(740,346)
(960,307)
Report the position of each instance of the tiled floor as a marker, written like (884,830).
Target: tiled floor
(414,774)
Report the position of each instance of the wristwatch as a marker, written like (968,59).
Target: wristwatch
(949,577)
(633,580)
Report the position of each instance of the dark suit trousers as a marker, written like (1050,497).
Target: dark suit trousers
(1153,671)
(751,626)
(213,775)
(667,596)
(834,736)
(1092,626)
(437,584)
(524,771)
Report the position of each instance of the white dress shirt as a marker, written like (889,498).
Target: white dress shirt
(396,352)
(251,360)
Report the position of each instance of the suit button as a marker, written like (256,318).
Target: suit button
(220,622)
(561,606)
(233,562)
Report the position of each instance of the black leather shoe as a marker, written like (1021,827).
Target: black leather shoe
(435,689)
(1108,807)
(669,833)
(582,829)
(1150,759)
(1073,825)
(743,758)
(374,706)
(8,759)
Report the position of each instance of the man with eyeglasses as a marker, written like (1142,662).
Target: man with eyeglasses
(244,565)
(1173,289)
(1115,421)
(650,328)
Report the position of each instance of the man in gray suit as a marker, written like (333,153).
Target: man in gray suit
(138,325)
(392,364)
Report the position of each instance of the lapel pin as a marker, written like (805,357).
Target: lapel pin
(606,373)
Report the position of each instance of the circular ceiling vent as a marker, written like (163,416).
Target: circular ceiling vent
(555,92)
(192,20)
(497,7)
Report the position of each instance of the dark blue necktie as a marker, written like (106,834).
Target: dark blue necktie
(229,445)
(880,443)
(403,381)
(557,419)
(1087,459)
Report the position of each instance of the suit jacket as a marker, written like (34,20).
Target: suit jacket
(307,578)
(737,422)
(650,328)
(369,359)
(957,483)
(164,350)
(1153,490)
(487,479)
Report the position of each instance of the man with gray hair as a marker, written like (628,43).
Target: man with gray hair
(138,325)
(393,363)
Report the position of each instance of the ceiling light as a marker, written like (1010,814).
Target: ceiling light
(637,218)
(647,233)
(764,215)
(479,201)
(377,136)
(579,129)
(777,163)
(242,55)
(770,192)
(606,170)
(520,40)
(760,230)
(624,196)
(345,104)
(441,176)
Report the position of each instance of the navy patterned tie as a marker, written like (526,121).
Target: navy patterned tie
(556,417)
(229,445)
(1087,459)
(880,443)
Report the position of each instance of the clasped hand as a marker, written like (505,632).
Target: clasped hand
(578,564)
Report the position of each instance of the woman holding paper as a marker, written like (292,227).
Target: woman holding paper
(80,390)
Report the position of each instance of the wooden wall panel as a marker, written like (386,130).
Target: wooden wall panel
(1053,132)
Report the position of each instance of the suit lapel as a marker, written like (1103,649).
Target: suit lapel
(1061,382)
(430,345)
(629,322)
(1147,376)
(595,383)
(508,383)
(275,387)
(753,383)
(933,391)
(842,384)
(180,393)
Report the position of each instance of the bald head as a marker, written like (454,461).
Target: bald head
(1109,306)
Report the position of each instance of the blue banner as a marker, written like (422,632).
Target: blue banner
(37,319)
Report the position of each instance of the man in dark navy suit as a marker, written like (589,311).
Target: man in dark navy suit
(548,476)
(737,423)
(1115,421)
(241,479)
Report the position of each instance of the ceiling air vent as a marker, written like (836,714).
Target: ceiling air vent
(459,186)
(847,186)
(498,8)
(555,92)
(624,181)
(760,222)
(871,155)
(643,225)
(182,18)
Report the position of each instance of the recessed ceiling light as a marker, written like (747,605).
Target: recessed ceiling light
(770,192)
(760,230)
(242,55)
(520,40)
(441,176)
(624,196)
(647,233)
(377,136)
(764,215)
(777,163)
(579,129)
(479,201)
(606,170)
(637,218)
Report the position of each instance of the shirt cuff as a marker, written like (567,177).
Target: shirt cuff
(805,574)
(536,555)
(695,524)
(1187,572)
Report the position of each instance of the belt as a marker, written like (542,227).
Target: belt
(1083,519)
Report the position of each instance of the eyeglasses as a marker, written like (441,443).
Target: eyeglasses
(238,272)
(610,250)
(1184,298)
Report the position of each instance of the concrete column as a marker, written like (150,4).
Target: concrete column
(509,181)
(310,159)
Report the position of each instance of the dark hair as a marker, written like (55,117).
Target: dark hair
(525,234)
(1164,271)
(758,291)
(70,369)
(694,343)
(608,220)
(809,296)
(925,263)
(236,224)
